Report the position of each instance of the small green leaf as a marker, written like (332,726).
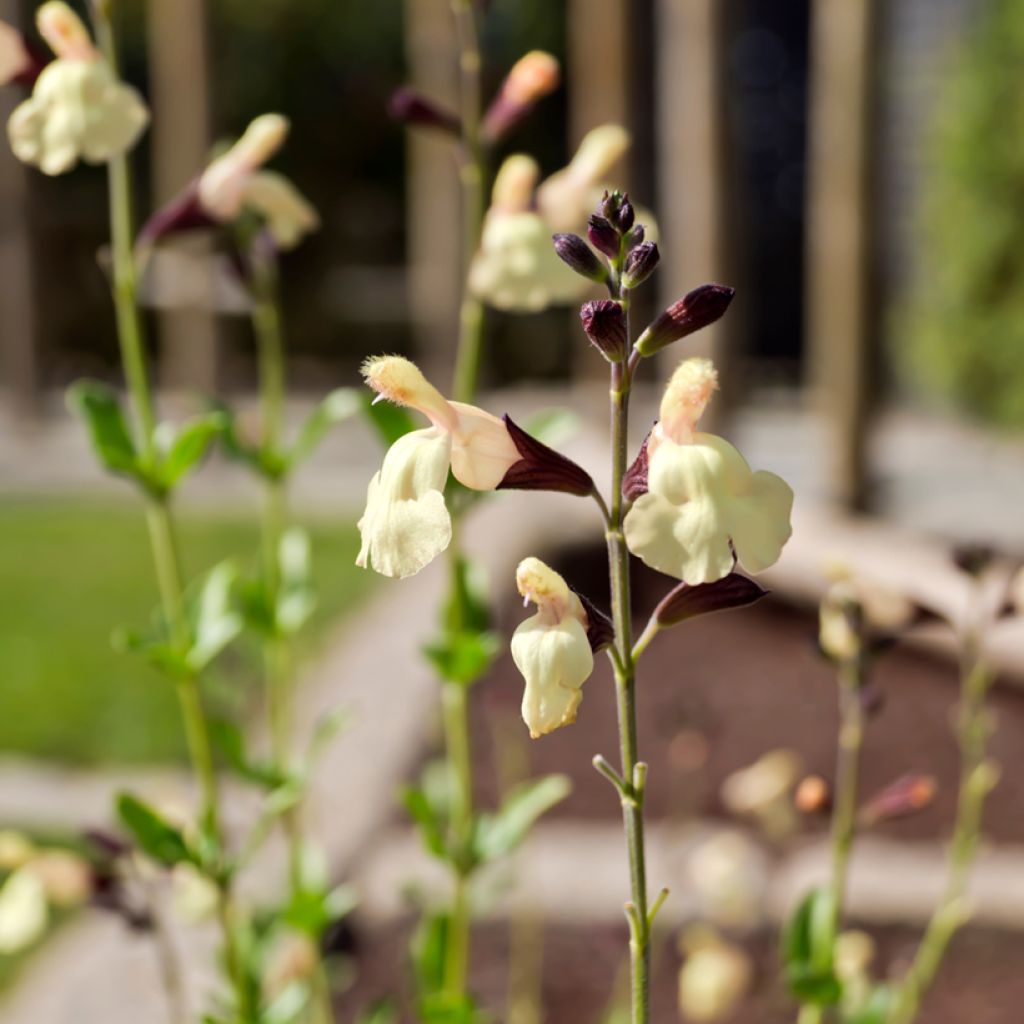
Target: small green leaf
(337,406)
(467,608)
(215,622)
(876,1009)
(155,836)
(809,949)
(230,741)
(296,597)
(500,833)
(429,953)
(464,657)
(109,434)
(425,815)
(164,657)
(189,446)
(390,421)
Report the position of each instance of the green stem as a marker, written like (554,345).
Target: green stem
(632,770)
(975,783)
(158,516)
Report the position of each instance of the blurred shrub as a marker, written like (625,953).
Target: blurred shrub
(963,327)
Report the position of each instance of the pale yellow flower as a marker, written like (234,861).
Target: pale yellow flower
(236,181)
(551,649)
(703,502)
(714,978)
(406,523)
(79,109)
(23,911)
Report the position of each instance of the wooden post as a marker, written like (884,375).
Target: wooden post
(598,80)
(180,91)
(19,327)
(433,213)
(695,171)
(840,307)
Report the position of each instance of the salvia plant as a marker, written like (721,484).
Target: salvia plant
(682,500)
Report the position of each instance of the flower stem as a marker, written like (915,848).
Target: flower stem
(632,771)
(975,783)
(159,520)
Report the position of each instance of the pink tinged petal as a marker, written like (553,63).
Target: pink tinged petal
(406,524)
(482,449)
(222,185)
(555,660)
(65,33)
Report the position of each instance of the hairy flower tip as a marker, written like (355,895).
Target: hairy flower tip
(604,323)
(600,629)
(907,796)
(541,468)
(634,482)
(697,309)
(411,107)
(538,582)
(578,256)
(401,381)
(641,261)
(687,602)
(686,397)
(603,236)
(64,31)
(617,210)
(531,78)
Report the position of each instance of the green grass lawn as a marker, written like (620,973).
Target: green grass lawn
(70,571)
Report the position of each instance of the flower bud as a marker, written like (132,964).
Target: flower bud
(697,309)
(812,795)
(605,325)
(635,237)
(578,256)
(687,602)
(617,210)
(603,236)
(906,796)
(640,264)
(541,468)
(410,107)
(532,77)
(634,483)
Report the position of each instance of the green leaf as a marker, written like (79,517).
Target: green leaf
(230,741)
(215,621)
(500,833)
(431,824)
(154,835)
(429,953)
(463,658)
(105,421)
(808,950)
(445,1008)
(876,1009)
(467,608)
(189,446)
(164,657)
(311,911)
(390,421)
(337,406)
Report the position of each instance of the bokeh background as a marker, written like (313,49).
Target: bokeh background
(855,168)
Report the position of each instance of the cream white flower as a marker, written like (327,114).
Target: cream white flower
(516,268)
(23,911)
(236,181)
(703,501)
(79,109)
(406,524)
(551,649)
(714,978)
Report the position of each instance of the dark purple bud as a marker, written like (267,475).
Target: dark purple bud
(605,325)
(603,237)
(973,559)
(634,238)
(407,106)
(908,795)
(182,213)
(617,210)
(542,468)
(686,602)
(577,255)
(640,264)
(634,483)
(699,308)
(600,631)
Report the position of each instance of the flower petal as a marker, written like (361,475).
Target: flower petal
(555,661)
(406,524)
(289,215)
(482,448)
(759,522)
